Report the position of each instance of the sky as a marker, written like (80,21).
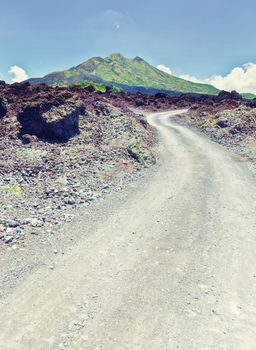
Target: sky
(201,40)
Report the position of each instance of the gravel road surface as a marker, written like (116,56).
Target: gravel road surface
(173,266)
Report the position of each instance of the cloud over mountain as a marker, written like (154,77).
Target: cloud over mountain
(165,69)
(241,79)
(19,74)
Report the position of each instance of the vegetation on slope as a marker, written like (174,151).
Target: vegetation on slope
(248,96)
(137,72)
(100,87)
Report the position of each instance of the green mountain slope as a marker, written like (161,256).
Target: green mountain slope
(132,72)
(248,96)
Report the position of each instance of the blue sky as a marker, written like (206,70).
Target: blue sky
(198,38)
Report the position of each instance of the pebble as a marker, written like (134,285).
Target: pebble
(8,239)
(34,233)
(36,222)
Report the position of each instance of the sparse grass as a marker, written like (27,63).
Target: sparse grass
(13,188)
(206,122)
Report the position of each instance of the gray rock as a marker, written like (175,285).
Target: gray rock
(105,186)
(8,239)
(11,223)
(223,123)
(36,222)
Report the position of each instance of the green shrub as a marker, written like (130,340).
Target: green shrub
(13,188)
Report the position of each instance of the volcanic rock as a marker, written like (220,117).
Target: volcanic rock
(26,139)
(57,123)
(252,103)
(223,123)
(101,108)
(225,95)
(3,108)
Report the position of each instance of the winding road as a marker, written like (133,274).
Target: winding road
(173,267)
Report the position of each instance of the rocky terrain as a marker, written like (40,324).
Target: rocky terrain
(227,118)
(235,129)
(64,148)
(61,149)
(230,122)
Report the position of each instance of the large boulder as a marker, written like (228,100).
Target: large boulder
(225,95)
(3,108)
(53,124)
(252,103)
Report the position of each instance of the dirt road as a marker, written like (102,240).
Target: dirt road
(173,267)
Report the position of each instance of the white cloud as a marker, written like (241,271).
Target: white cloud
(165,69)
(241,79)
(19,74)
(191,78)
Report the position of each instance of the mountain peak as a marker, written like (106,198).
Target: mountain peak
(138,59)
(115,57)
(90,64)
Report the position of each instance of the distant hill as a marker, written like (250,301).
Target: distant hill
(121,71)
(248,96)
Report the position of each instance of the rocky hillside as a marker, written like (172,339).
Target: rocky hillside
(62,149)
(121,71)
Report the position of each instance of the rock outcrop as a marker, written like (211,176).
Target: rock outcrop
(225,95)
(56,124)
